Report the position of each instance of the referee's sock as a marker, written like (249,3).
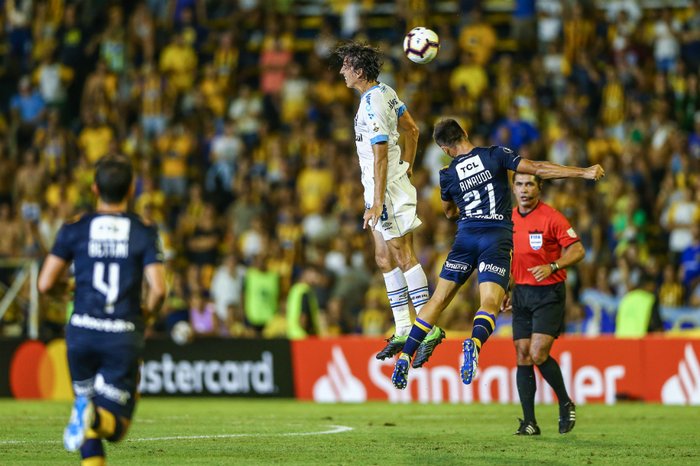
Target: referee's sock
(552,374)
(484,324)
(527,386)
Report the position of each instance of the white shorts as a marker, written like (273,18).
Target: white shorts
(399,215)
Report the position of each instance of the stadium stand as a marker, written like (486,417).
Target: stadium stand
(241,134)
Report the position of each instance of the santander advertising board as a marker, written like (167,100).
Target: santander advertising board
(595,371)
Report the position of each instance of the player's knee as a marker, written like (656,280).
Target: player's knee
(490,305)
(383,262)
(538,354)
(405,260)
(523,358)
(522,354)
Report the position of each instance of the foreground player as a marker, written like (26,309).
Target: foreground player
(544,245)
(111,251)
(390,198)
(475,192)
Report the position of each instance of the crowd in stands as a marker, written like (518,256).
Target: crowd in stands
(241,134)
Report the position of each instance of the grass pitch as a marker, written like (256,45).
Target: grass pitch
(256,432)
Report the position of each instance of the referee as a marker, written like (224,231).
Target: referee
(544,245)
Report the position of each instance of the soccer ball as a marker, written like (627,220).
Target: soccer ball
(182,333)
(421,45)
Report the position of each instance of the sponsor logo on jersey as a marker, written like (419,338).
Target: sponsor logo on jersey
(493,268)
(458,266)
(109,237)
(469,167)
(108,228)
(386,225)
(535,240)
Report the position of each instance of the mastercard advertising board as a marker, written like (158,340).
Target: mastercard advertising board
(38,370)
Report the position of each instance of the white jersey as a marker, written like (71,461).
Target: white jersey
(377,121)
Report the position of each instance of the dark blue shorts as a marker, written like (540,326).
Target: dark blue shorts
(487,250)
(105,367)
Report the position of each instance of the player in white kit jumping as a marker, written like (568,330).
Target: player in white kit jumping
(390,198)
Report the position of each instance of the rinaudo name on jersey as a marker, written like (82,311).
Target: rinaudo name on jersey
(477,182)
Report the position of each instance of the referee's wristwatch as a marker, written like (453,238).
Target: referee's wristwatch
(554,266)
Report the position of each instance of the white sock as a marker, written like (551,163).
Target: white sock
(417,287)
(397,291)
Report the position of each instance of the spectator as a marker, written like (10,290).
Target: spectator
(478,38)
(690,261)
(227,289)
(202,250)
(260,294)
(95,138)
(174,147)
(666,43)
(671,290)
(178,63)
(524,25)
(141,36)
(28,109)
(678,219)
(638,313)
(203,318)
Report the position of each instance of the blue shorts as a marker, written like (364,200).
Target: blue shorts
(105,367)
(489,250)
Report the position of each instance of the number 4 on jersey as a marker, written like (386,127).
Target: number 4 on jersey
(109,288)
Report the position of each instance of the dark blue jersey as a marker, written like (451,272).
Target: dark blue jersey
(109,253)
(477,183)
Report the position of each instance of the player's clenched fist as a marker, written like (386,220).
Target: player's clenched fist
(595,172)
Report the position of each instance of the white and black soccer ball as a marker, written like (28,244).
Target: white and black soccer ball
(182,333)
(421,45)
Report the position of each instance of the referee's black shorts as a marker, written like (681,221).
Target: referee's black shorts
(538,309)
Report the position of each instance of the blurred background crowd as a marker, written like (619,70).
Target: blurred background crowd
(241,134)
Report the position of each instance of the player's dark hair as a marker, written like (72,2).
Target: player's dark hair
(113,176)
(539,181)
(448,133)
(361,57)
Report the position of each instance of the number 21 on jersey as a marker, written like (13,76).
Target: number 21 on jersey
(473,201)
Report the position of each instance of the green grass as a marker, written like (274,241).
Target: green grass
(382,434)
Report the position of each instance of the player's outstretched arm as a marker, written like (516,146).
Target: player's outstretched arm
(409,129)
(549,170)
(51,271)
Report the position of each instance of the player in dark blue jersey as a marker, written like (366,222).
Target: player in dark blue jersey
(111,251)
(476,193)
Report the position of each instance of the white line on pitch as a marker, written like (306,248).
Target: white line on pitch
(333,430)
